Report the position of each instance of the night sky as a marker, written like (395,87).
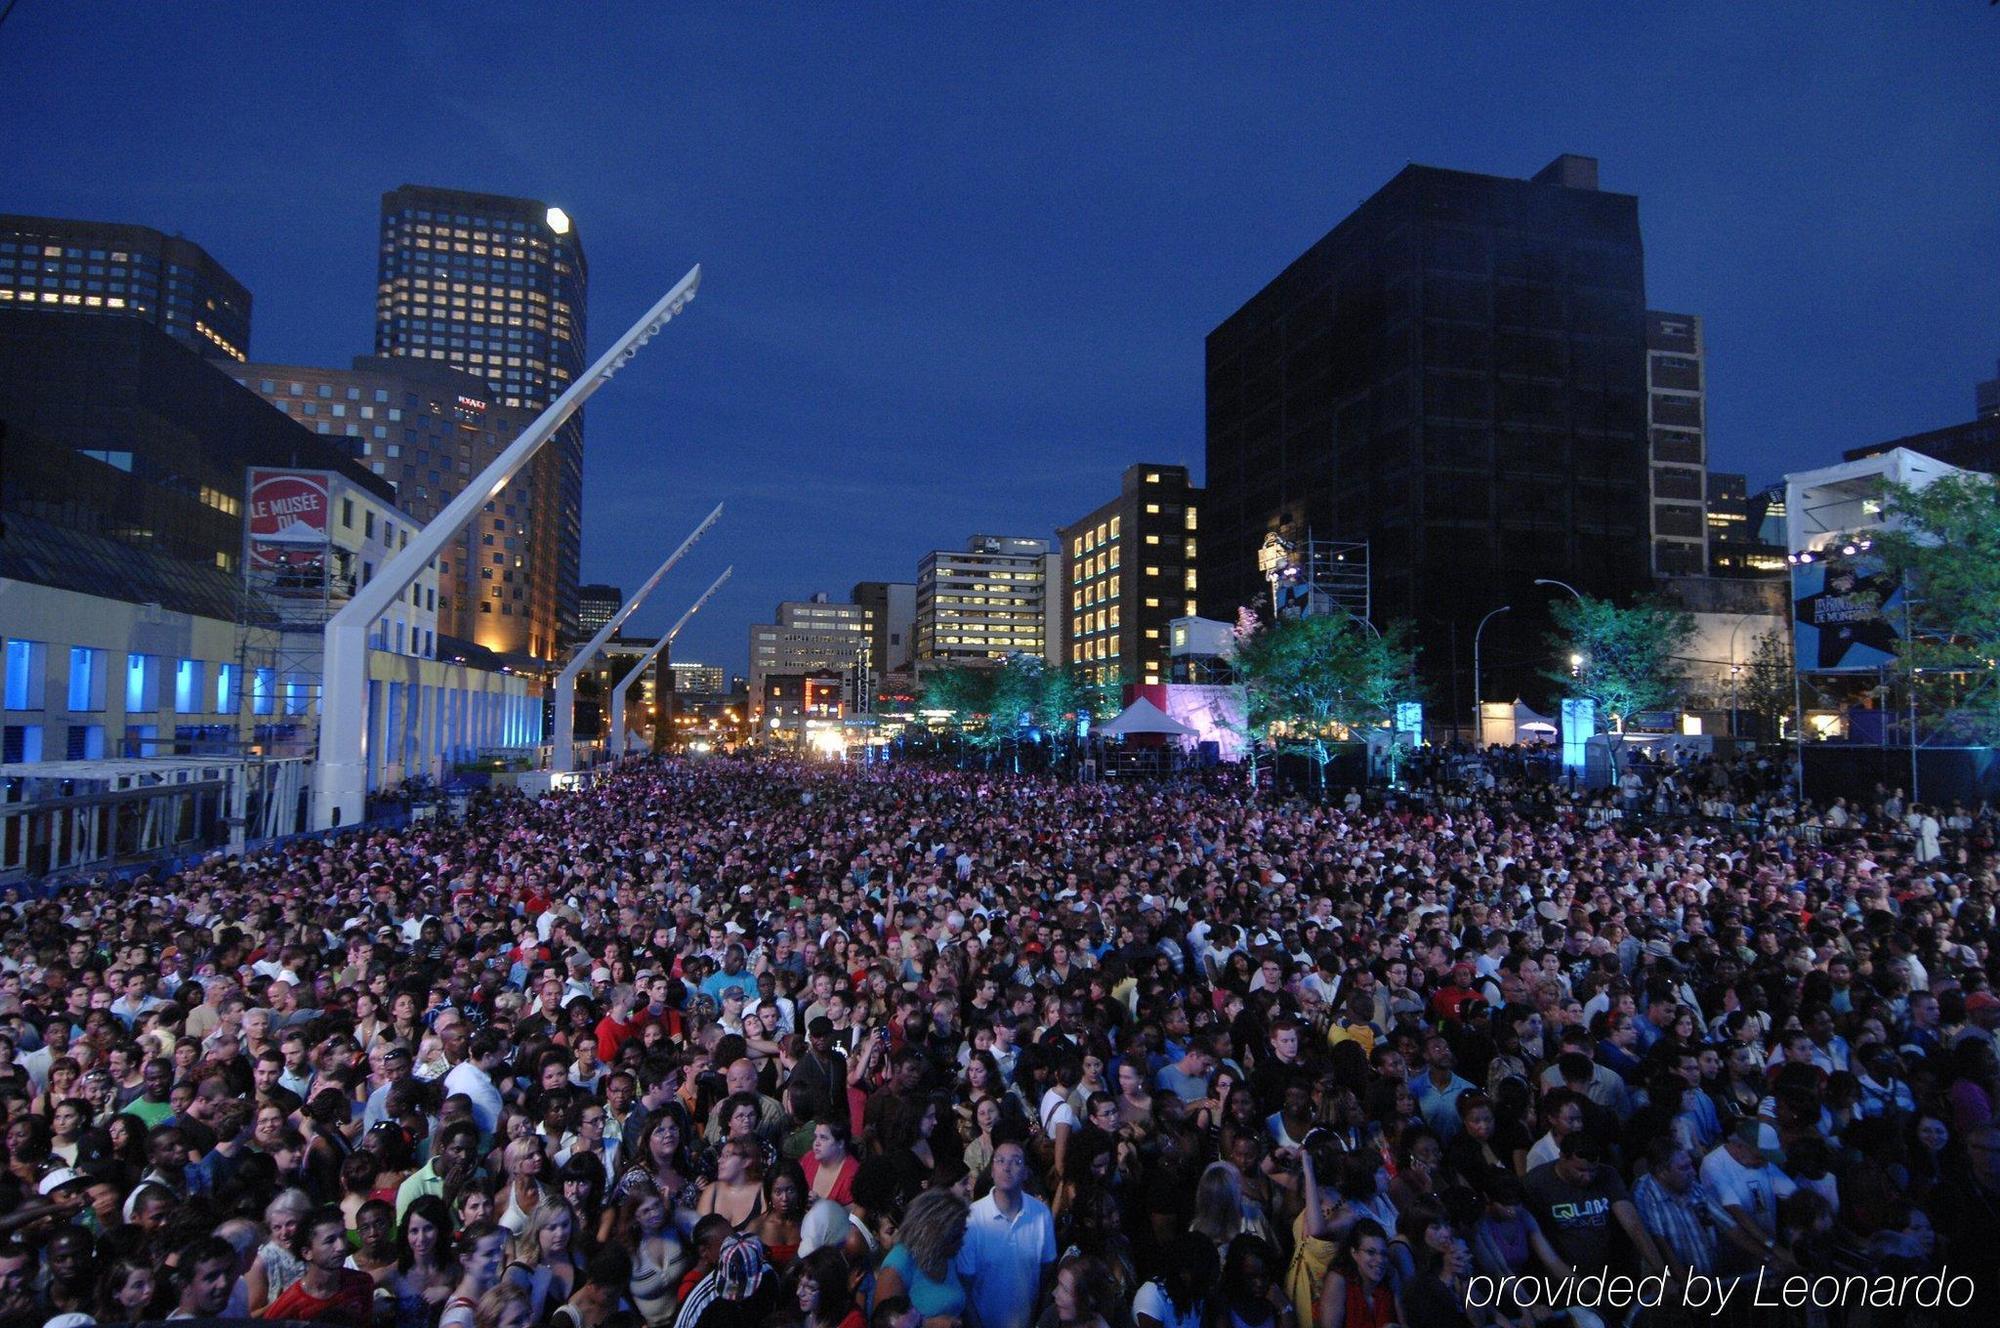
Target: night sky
(959,260)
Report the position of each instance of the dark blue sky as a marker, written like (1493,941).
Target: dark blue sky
(960,259)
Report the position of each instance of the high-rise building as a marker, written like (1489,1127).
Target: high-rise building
(893,606)
(1128,570)
(427,429)
(1739,542)
(1676,390)
(122,271)
(814,636)
(498,287)
(1456,374)
(1973,445)
(986,601)
(1986,397)
(693,679)
(596,605)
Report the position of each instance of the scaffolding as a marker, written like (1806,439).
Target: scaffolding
(1318,577)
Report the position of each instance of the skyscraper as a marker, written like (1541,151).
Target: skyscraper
(1986,397)
(1456,373)
(987,601)
(1128,569)
(498,287)
(1676,389)
(108,268)
(596,605)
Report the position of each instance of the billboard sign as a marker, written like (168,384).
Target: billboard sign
(1846,615)
(287,525)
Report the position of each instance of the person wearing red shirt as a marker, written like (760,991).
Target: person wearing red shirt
(329,1292)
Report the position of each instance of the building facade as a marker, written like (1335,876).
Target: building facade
(1974,445)
(1456,374)
(1986,397)
(122,271)
(893,606)
(1676,395)
(116,429)
(498,287)
(692,679)
(1129,568)
(426,429)
(986,601)
(596,605)
(815,636)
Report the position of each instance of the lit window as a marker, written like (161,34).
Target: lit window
(1152,509)
(1152,477)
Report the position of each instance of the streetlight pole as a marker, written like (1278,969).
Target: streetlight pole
(1551,581)
(1478,710)
(1735,674)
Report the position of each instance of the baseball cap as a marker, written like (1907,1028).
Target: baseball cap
(1981,1000)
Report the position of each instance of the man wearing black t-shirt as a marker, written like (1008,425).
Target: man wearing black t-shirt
(1577,1199)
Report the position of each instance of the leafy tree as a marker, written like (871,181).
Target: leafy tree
(1623,660)
(1944,542)
(1765,690)
(1309,679)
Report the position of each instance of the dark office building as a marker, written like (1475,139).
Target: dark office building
(1457,374)
(1986,397)
(596,605)
(1743,540)
(119,271)
(1128,569)
(115,430)
(1974,445)
(498,287)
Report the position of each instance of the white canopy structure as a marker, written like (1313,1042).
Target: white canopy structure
(1142,716)
(1527,721)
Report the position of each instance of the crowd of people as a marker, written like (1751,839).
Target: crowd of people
(743,1043)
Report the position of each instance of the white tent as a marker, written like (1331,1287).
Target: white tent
(1142,716)
(1527,721)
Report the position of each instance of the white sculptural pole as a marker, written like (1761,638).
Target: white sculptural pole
(340,779)
(563,757)
(615,741)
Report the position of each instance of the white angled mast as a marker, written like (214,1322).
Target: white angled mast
(615,740)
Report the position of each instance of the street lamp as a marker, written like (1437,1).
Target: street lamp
(1550,581)
(1575,665)
(1735,673)
(1479,711)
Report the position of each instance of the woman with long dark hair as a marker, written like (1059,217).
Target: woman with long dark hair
(825,1291)
(1178,1297)
(1357,1292)
(425,1269)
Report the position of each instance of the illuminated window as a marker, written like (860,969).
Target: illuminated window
(1191,609)
(1152,539)
(1152,633)
(1152,509)
(1190,518)
(1114,555)
(1152,571)
(1114,527)
(1114,586)
(1190,580)
(1152,603)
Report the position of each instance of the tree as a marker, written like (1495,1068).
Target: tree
(1622,660)
(1943,542)
(1309,679)
(1766,689)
